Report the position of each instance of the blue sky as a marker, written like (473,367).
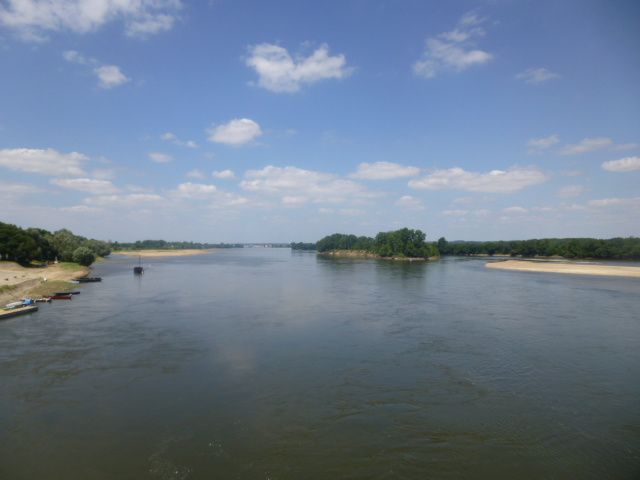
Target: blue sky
(280,121)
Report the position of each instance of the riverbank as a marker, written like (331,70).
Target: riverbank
(17,282)
(566,268)
(163,253)
(375,256)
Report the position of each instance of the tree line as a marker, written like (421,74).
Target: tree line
(302,246)
(614,248)
(399,243)
(36,244)
(164,245)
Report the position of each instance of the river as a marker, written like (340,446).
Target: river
(272,364)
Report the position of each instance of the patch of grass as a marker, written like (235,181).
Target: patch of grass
(71,266)
(46,289)
(7,288)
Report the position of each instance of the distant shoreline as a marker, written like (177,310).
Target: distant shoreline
(566,268)
(163,253)
(374,256)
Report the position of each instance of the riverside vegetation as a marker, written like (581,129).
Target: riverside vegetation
(26,246)
(412,243)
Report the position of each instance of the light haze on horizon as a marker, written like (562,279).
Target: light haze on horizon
(249,121)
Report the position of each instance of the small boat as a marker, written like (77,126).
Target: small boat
(13,305)
(43,300)
(14,312)
(27,301)
(75,292)
(138,270)
(89,279)
(61,297)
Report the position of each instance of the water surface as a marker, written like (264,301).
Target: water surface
(271,364)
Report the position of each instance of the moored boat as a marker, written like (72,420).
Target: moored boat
(89,279)
(42,300)
(13,305)
(75,292)
(60,297)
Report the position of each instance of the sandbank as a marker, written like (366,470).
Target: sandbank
(568,268)
(163,253)
(17,281)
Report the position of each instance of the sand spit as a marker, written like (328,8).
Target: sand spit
(163,253)
(568,268)
(18,281)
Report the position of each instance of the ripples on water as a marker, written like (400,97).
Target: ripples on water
(275,364)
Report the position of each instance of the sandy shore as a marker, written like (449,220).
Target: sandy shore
(19,281)
(570,268)
(163,253)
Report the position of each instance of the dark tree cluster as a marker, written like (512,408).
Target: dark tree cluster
(164,245)
(35,244)
(302,246)
(399,243)
(614,248)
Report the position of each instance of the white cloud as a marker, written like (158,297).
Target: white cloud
(195,190)
(571,191)
(237,132)
(103,174)
(159,157)
(495,181)
(293,200)
(537,76)
(586,145)
(384,171)
(223,174)
(318,187)
(46,162)
(173,138)
(627,164)
(81,209)
(515,210)
(32,19)
(98,187)
(278,71)
(626,146)
(536,145)
(453,50)
(195,173)
(409,202)
(72,56)
(9,190)
(110,76)
(126,200)
(615,202)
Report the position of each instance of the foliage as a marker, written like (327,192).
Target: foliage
(303,246)
(614,248)
(35,244)
(83,256)
(399,243)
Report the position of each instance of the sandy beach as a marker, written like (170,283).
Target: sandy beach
(162,253)
(567,268)
(18,281)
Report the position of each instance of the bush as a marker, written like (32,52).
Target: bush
(83,256)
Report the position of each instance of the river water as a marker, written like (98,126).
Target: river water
(272,364)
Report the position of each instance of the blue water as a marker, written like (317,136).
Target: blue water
(272,364)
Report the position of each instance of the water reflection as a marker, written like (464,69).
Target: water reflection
(264,363)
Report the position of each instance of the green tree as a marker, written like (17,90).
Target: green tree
(83,256)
